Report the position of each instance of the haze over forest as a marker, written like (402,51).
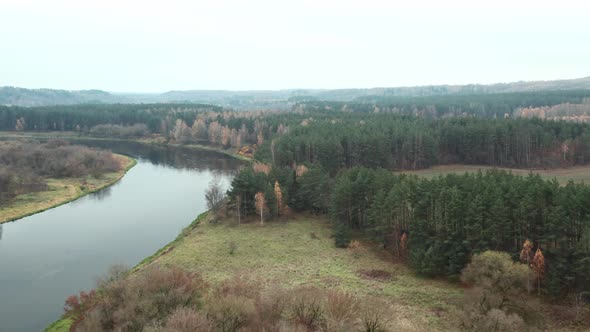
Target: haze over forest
(269,99)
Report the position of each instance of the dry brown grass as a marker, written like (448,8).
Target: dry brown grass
(563,175)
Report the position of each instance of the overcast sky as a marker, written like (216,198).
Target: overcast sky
(152,46)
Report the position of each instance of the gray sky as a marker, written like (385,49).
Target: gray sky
(151,46)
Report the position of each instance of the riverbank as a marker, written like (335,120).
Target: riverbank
(62,191)
(301,253)
(144,140)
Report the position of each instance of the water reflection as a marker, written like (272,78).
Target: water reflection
(102,194)
(178,157)
(48,256)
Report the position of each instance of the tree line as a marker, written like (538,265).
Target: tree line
(338,141)
(484,105)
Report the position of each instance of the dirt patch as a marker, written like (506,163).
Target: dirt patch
(437,311)
(379,275)
(569,315)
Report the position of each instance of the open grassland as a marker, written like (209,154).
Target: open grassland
(563,175)
(61,191)
(300,253)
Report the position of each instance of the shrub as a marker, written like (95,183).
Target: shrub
(230,313)
(232,247)
(172,300)
(137,301)
(374,315)
(270,310)
(341,310)
(307,309)
(187,320)
(498,320)
(495,271)
(497,299)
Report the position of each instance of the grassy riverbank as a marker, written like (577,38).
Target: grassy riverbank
(301,252)
(62,191)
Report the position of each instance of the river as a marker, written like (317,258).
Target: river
(48,256)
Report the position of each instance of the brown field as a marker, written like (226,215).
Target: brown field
(563,175)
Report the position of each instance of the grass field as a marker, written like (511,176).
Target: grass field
(563,175)
(288,255)
(61,191)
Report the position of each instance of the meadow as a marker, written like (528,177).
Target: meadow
(562,175)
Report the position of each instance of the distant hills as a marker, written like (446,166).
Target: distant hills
(279,99)
(43,97)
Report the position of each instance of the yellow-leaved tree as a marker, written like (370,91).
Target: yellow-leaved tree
(539,268)
(525,257)
(260,205)
(279,197)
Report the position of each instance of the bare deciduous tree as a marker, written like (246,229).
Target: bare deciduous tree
(215,198)
(260,205)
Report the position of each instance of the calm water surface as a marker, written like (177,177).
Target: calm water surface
(48,256)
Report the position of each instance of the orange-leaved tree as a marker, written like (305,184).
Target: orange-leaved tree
(261,168)
(525,256)
(279,197)
(260,205)
(539,268)
(403,245)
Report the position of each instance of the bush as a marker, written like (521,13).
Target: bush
(188,320)
(497,299)
(374,315)
(230,313)
(233,246)
(496,272)
(171,299)
(307,309)
(341,310)
(142,300)
(498,320)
